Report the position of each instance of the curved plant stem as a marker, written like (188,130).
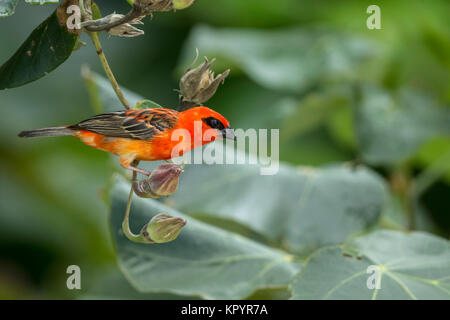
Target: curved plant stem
(126,224)
(112,79)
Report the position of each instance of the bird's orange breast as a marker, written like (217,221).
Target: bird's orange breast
(158,148)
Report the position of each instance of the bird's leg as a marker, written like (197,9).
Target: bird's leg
(145,172)
(129,162)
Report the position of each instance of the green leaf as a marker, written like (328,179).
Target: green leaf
(7,7)
(147,104)
(292,59)
(301,208)
(48,46)
(96,13)
(112,285)
(412,266)
(41,2)
(391,127)
(203,260)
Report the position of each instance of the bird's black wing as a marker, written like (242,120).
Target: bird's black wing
(140,124)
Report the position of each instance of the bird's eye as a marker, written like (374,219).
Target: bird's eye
(214,123)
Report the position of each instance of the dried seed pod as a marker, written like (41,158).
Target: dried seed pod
(125,29)
(199,85)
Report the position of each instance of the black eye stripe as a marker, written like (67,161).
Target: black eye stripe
(214,123)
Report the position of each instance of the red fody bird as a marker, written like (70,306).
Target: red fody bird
(142,134)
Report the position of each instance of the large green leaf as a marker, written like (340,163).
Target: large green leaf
(49,45)
(203,260)
(111,284)
(390,127)
(412,266)
(292,59)
(300,208)
(7,7)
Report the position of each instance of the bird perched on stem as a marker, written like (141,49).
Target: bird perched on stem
(142,134)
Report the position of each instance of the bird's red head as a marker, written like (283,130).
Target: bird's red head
(211,121)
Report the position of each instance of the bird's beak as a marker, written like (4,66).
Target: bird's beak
(228,134)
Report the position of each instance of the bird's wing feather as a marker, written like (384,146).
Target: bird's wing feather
(140,124)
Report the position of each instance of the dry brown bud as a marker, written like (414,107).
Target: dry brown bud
(199,85)
(125,29)
(162,182)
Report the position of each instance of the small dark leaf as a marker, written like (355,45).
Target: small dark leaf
(146,103)
(49,45)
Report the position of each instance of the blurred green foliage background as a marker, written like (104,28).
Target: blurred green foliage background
(380,97)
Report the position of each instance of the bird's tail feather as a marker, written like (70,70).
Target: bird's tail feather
(47,132)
